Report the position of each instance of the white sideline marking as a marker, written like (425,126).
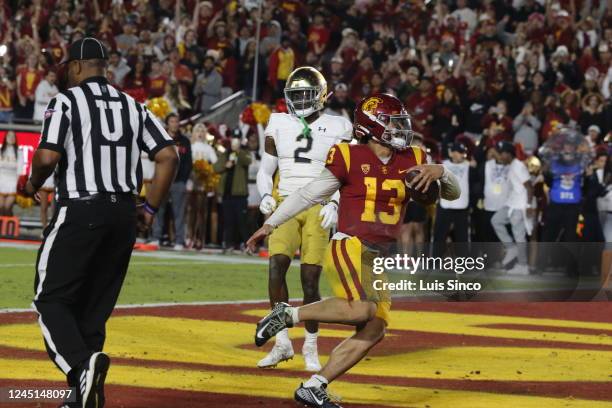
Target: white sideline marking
(19,245)
(162,254)
(151,305)
(19,265)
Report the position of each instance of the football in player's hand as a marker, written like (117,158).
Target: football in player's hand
(425,198)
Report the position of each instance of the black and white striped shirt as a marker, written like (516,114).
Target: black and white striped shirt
(100,133)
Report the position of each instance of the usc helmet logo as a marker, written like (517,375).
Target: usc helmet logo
(371,104)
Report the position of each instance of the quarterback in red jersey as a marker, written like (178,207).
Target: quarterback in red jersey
(373,195)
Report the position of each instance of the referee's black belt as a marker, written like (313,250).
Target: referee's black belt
(109,197)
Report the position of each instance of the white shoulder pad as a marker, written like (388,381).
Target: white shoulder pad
(348,129)
(341,127)
(276,122)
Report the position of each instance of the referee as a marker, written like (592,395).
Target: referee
(92,138)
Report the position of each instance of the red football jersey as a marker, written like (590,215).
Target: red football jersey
(373,195)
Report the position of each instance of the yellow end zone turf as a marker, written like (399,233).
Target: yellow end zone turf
(221,344)
(282,387)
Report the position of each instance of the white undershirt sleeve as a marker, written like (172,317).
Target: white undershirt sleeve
(449,186)
(265,175)
(312,193)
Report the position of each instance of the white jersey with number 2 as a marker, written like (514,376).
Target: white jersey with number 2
(301,158)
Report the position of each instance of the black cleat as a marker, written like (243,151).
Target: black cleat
(91,380)
(274,322)
(314,397)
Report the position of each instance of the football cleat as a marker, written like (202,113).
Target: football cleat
(91,380)
(278,354)
(315,397)
(311,357)
(275,321)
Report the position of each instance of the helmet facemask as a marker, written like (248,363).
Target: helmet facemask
(303,101)
(398,133)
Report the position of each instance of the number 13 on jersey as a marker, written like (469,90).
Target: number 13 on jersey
(394,212)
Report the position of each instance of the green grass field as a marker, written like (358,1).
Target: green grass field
(156,280)
(188,277)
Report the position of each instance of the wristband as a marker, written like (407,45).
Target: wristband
(264,196)
(149,208)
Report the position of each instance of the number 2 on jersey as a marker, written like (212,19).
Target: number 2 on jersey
(304,149)
(369,213)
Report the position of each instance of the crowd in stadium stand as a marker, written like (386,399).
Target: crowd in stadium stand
(482,80)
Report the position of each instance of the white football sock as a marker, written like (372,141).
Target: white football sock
(282,337)
(294,315)
(310,338)
(316,381)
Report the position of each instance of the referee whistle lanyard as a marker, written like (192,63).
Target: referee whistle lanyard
(307,130)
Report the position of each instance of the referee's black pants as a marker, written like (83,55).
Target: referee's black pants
(80,268)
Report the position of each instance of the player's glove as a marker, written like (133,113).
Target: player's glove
(267,205)
(329,215)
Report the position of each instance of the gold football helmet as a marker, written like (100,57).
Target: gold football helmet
(533,165)
(305,91)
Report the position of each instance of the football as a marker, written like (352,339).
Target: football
(425,198)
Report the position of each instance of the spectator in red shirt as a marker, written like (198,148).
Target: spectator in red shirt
(496,123)
(219,39)
(7,92)
(569,101)
(181,72)
(56,46)
(202,16)
(318,34)
(554,116)
(563,29)
(28,77)
(136,82)
(421,106)
(351,49)
(157,80)
(536,30)
(362,78)
(447,118)
(229,68)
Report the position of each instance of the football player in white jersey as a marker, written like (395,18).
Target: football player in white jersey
(297,143)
